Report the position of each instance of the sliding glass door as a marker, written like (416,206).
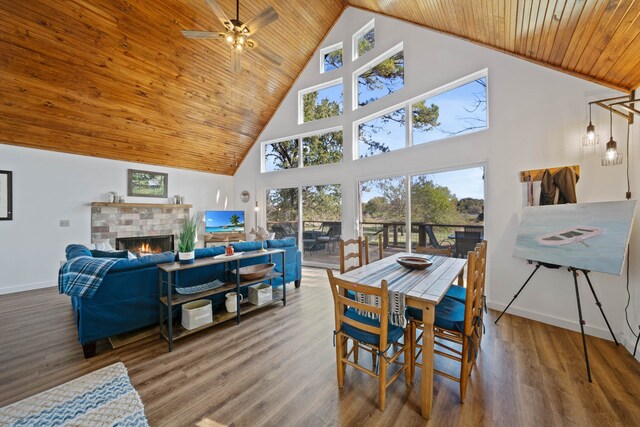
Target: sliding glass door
(319,233)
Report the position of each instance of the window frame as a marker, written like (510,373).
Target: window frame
(324,51)
(371,25)
(369,65)
(408,106)
(407,175)
(315,88)
(299,138)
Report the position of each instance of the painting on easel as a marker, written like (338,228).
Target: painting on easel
(589,236)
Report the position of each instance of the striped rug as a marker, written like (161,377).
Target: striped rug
(102,398)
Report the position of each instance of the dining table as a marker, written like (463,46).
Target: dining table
(422,289)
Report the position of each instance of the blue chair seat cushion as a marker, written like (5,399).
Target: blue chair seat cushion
(393,335)
(449,315)
(458,293)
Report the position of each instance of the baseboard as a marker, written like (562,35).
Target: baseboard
(27,287)
(629,341)
(572,325)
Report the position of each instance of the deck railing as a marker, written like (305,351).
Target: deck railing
(393,234)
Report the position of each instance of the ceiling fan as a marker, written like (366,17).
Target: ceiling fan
(239,34)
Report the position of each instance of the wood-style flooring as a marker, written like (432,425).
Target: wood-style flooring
(277,368)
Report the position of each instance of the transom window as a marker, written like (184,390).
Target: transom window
(331,58)
(454,109)
(303,151)
(364,40)
(320,102)
(460,110)
(381,77)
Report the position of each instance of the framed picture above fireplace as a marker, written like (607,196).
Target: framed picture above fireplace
(147,184)
(5,196)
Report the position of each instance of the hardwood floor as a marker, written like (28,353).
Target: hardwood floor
(278,368)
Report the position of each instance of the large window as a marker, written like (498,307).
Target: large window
(282,212)
(456,109)
(322,149)
(331,58)
(447,209)
(316,149)
(460,110)
(321,103)
(364,40)
(381,78)
(382,134)
(383,208)
(281,155)
(321,223)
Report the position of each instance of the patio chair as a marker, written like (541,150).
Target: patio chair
(456,325)
(466,241)
(433,241)
(332,237)
(369,328)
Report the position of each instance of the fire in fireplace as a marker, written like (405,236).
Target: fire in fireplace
(145,245)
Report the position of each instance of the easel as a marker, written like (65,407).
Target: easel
(574,271)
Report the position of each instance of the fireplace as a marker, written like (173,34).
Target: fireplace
(145,245)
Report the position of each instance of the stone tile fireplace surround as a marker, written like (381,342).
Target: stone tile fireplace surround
(115,220)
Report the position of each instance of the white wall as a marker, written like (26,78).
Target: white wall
(49,187)
(536,119)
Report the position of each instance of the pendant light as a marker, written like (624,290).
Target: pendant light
(590,138)
(611,156)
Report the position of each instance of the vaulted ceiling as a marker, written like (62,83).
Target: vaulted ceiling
(595,39)
(116,79)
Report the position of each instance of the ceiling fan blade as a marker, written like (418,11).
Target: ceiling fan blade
(266,53)
(200,34)
(219,12)
(262,19)
(236,61)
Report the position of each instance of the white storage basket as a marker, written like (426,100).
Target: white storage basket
(197,313)
(260,294)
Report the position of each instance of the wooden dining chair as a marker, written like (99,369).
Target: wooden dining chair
(354,248)
(368,326)
(459,292)
(455,327)
(367,250)
(431,250)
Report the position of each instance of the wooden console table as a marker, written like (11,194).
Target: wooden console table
(169,278)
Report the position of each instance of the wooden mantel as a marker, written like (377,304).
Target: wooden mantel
(140,205)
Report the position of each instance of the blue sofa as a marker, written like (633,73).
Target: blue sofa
(127,299)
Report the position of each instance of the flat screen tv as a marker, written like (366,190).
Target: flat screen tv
(224,221)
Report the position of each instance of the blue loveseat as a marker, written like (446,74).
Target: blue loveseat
(127,299)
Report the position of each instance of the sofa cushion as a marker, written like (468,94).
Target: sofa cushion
(281,243)
(246,246)
(145,261)
(209,252)
(109,254)
(75,250)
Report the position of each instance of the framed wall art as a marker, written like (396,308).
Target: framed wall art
(147,184)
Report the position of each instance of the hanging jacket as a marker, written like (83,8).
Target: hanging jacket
(565,179)
(547,189)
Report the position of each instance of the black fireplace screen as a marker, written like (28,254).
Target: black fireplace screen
(145,245)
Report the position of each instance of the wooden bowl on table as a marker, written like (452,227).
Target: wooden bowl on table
(253,272)
(413,263)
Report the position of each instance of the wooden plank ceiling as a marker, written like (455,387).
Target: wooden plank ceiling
(594,39)
(116,78)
